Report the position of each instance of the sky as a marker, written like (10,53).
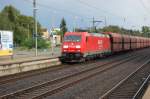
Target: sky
(79,13)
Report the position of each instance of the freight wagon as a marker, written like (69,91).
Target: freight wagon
(81,46)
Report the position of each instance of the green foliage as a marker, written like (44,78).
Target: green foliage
(112,29)
(146,31)
(11,13)
(116,29)
(21,25)
(56,32)
(5,24)
(63,27)
(43,43)
(20,34)
(30,43)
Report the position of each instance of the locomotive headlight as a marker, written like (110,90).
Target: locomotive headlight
(78,46)
(65,46)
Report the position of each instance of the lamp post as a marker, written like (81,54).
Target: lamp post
(52,42)
(35,22)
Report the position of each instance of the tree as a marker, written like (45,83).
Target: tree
(112,28)
(145,31)
(5,24)
(11,12)
(63,27)
(21,25)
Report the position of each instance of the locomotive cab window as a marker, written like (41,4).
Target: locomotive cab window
(72,38)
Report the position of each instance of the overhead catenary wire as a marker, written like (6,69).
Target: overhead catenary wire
(51,9)
(56,10)
(146,8)
(96,8)
(143,5)
(99,9)
(74,14)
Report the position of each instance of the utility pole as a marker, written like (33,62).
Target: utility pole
(75,24)
(95,21)
(105,21)
(52,40)
(35,22)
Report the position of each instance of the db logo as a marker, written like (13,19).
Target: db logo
(100,42)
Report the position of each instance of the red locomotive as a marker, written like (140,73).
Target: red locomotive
(80,46)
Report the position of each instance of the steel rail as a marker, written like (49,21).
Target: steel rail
(141,89)
(106,95)
(20,92)
(59,88)
(13,77)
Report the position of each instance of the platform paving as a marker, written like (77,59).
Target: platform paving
(26,55)
(147,93)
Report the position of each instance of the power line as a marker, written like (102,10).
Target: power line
(55,10)
(52,9)
(96,8)
(143,5)
(95,21)
(49,8)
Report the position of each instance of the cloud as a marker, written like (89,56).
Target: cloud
(50,12)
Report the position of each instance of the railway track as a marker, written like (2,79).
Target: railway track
(53,86)
(23,75)
(130,87)
(18,76)
(142,89)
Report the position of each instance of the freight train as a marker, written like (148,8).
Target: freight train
(81,46)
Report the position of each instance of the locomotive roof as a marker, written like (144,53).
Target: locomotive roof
(88,34)
(98,34)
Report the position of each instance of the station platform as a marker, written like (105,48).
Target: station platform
(26,60)
(27,55)
(8,59)
(147,93)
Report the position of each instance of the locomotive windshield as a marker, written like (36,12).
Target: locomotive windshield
(73,38)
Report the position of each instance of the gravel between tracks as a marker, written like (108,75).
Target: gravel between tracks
(36,79)
(96,86)
(33,80)
(129,87)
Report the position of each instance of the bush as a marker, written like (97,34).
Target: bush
(42,44)
(30,43)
